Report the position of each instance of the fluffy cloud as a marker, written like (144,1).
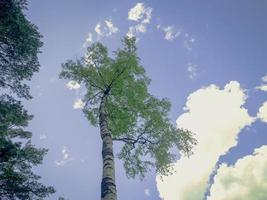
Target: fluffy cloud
(246,180)
(170,32)
(192,69)
(73,85)
(141,14)
(216,116)
(263,87)
(107,29)
(78,104)
(111,28)
(135,30)
(65,157)
(262,114)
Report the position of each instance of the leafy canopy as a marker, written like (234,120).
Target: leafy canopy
(19,45)
(135,117)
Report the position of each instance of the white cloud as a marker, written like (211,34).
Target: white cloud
(264,79)
(111,28)
(65,157)
(140,13)
(216,116)
(147,192)
(135,30)
(107,29)
(78,104)
(263,87)
(88,40)
(136,13)
(98,29)
(171,33)
(246,179)
(192,69)
(188,42)
(73,85)
(262,114)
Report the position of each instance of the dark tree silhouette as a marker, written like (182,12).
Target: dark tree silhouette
(19,46)
(18,155)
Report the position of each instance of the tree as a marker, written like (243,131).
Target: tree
(118,101)
(18,155)
(19,45)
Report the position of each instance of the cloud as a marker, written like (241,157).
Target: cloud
(111,28)
(262,114)
(107,29)
(135,30)
(141,14)
(170,32)
(263,87)
(78,104)
(73,85)
(192,69)
(147,192)
(98,29)
(264,78)
(188,42)
(246,179)
(65,157)
(216,116)
(89,40)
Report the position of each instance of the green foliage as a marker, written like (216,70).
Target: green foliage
(134,115)
(18,155)
(19,45)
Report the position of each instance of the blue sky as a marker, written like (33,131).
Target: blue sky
(207,57)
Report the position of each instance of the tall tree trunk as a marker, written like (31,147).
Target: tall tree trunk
(108,186)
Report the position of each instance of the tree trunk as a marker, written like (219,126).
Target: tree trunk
(108,186)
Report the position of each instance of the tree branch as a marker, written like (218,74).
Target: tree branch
(90,99)
(94,85)
(116,77)
(140,139)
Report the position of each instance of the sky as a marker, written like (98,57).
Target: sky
(209,58)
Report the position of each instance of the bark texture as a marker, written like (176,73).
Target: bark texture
(108,186)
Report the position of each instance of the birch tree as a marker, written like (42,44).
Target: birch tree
(117,101)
